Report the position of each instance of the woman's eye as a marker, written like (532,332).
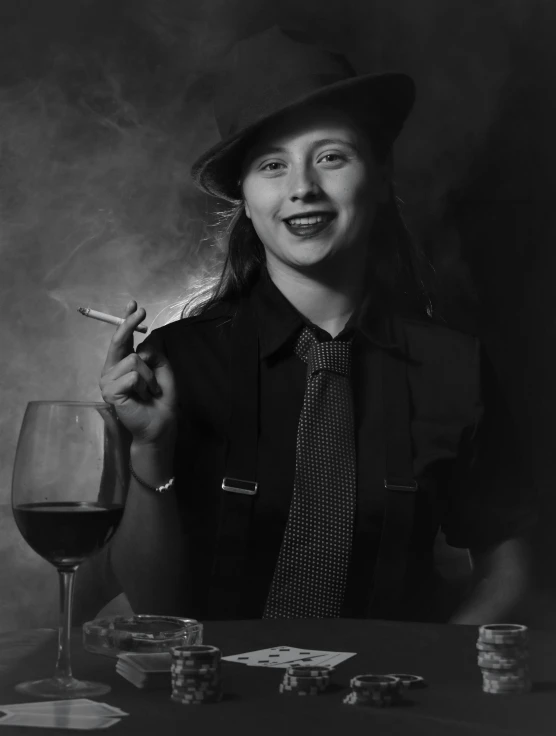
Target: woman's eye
(331,158)
(271,166)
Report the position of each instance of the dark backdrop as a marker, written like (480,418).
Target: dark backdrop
(105,104)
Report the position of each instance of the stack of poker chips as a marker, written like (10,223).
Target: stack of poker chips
(306,679)
(503,652)
(410,682)
(195,673)
(375,690)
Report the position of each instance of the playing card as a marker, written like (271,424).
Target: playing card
(150,671)
(132,675)
(79,706)
(282,657)
(272,656)
(149,681)
(156,662)
(332,659)
(60,720)
(48,704)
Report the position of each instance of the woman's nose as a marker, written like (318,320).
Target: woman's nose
(304,183)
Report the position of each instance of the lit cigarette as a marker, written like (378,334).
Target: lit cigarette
(102,317)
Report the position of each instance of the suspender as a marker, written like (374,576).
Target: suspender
(394,549)
(240,490)
(239,485)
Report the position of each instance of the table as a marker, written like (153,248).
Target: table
(444,654)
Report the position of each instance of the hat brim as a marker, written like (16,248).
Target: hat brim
(382,101)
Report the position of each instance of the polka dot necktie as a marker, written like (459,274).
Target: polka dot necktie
(311,573)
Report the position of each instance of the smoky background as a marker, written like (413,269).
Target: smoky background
(104,105)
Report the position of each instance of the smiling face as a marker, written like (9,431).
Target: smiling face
(311,187)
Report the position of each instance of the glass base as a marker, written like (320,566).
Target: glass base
(58,688)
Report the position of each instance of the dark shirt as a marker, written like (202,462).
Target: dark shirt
(447,414)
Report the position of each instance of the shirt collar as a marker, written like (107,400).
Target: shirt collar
(279,321)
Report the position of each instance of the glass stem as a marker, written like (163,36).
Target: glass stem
(63,662)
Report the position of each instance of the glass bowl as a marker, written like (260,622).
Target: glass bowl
(141,633)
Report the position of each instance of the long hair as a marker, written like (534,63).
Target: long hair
(399,274)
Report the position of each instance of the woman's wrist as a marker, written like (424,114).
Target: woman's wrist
(153,463)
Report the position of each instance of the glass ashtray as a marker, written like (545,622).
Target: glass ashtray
(141,633)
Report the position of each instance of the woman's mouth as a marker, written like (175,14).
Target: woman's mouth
(309,225)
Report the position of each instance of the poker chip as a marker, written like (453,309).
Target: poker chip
(196,699)
(505,688)
(196,676)
(496,687)
(502,649)
(179,669)
(311,689)
(505,634)
(518,682)
(375,683)
(522,685)
(503,659)
(376,699)
(289,690)
(296,681)
(304,686)
(192,671)
(353,699)
(375,690)
(507,677)
(196,654)
(500,663)
(413,682)
(305,689)
(195,692)
(303,670)
(516,687)
(317,681)
(192,683)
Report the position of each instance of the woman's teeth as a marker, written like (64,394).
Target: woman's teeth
(309,226)
(313,220)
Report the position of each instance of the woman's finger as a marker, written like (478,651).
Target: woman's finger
(132,362)
(127,387)
(133,317)
(121,344)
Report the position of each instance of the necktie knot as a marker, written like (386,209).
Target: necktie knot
(331,355)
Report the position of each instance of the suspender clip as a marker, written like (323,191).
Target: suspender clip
(401,484)
(235,485)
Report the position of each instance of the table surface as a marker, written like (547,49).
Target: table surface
(445,655)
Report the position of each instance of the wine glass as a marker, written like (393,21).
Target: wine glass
(68,491)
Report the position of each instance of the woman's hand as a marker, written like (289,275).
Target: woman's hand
(140,385)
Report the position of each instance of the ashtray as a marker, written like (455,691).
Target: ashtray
(141,633)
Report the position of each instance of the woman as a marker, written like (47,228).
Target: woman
(301,436)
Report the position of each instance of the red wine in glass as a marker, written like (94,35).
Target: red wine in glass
(68,494)
(66,534)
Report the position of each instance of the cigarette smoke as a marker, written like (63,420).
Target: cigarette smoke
(103,108)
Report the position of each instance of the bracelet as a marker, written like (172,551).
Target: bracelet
(157,489)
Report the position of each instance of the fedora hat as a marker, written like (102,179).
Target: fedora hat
(271,73)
